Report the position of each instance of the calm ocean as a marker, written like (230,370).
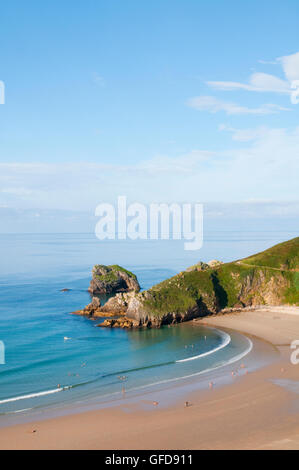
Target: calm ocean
(92,362)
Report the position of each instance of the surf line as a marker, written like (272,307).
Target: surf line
(225,343)
(34,395)
(234,359)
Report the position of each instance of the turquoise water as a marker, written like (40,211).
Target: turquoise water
(92,362)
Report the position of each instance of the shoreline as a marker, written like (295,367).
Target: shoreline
(169,391)
(257,410)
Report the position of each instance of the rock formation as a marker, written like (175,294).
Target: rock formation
(268,278)
(115,307)
(112,279)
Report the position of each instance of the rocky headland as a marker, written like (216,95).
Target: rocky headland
(267,278)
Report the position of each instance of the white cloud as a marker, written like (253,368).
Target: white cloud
(261,82)
(290,65)
(244,135)
(266,168)
(17,191)
(187,163)
(264,82)
(98,79)
(214,105)
(268,62)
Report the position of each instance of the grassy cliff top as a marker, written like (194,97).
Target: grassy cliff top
(284,256)
(109,273)
(116,267)
(259,279)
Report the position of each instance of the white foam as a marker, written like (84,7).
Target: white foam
(176,379)
(225,363)
(226,342)
(20,411)
(33,395)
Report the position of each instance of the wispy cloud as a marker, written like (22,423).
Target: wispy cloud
(260,82)
(98,79)
(214,105)
(266,168)
(268,62)
(264,82)
(244,135)
(290,65)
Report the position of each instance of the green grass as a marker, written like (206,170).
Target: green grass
(116,267)
(247,282)
(111,272)
(284,256)
(292,293)
(231,284)
(181,293)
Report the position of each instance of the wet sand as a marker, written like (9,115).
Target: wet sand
(253,412)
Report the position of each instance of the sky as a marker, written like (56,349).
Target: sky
(161,101)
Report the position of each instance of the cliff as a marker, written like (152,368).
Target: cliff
(267,278)
(112,279)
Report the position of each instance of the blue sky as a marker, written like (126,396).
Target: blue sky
(161,101)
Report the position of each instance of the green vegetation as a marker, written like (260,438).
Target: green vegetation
(284,256)
(180,293)
(116,267)
(292,293)
(109,277)
(110,273)
(269,277)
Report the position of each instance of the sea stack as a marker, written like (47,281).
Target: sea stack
(112,280)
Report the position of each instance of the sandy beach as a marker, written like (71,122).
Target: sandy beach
(253,412)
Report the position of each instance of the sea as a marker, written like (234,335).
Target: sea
(52,359)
